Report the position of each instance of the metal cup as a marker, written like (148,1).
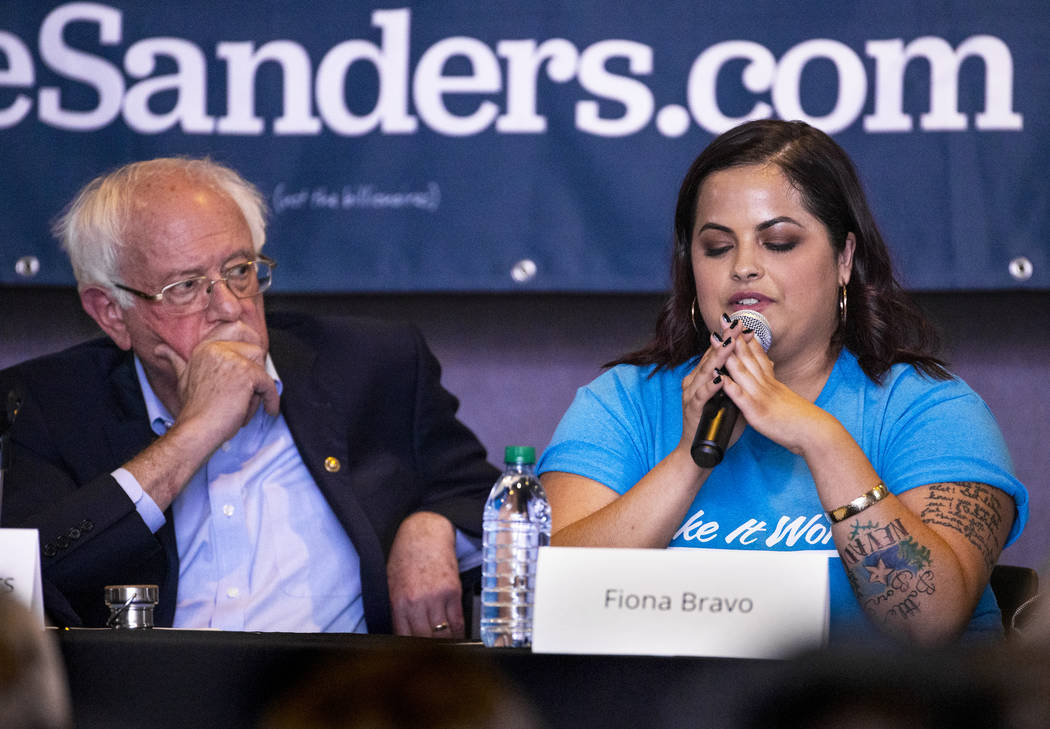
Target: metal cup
(131,606)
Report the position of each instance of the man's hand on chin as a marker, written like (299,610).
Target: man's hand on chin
(221,385)
(423,576)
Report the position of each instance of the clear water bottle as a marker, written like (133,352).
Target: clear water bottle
(517,523)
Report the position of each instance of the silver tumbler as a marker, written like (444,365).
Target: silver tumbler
(131,606)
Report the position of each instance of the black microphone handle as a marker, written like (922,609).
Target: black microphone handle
(7,419)
(713,432)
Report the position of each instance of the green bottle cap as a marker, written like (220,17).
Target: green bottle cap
(519,454)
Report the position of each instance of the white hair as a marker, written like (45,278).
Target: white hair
(94,227)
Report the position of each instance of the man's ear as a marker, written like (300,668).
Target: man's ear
(107,313)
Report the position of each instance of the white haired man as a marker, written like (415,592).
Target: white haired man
(269,473)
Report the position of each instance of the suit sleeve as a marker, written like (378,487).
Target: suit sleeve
(90,533)
(457,478)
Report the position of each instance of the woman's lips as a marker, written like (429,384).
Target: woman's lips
(747,301)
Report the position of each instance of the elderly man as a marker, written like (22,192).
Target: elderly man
(299,474)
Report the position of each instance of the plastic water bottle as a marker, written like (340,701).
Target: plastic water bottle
(517,523)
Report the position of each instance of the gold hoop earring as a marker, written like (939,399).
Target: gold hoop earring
(692,316)
(842,304)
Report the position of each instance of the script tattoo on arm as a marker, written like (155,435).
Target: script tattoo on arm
(888,570)
(970,509)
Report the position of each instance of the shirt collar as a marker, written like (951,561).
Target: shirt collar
(159,417)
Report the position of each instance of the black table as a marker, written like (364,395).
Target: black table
(203,679)
(200,679)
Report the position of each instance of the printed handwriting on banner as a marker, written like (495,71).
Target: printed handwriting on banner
(351,197)
(236,65)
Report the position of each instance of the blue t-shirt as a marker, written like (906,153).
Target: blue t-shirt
(914,430)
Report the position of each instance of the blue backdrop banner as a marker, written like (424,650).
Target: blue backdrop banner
(463,146)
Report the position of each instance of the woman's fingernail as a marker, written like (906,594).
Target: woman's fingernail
(747,331)
(717,336)
(725,317)
(727,341)
(733,325)
(717,380)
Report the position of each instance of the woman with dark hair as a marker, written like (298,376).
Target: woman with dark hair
(849,426)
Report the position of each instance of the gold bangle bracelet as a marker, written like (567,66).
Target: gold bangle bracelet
(859,504)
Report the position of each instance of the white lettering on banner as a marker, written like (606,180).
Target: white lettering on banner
(891,56)
(789,530)
(634,95)
(189,84)
(79,66)
(429,86)
(391,63)
(524,61)
(618,105)
(243,63)
(18,74)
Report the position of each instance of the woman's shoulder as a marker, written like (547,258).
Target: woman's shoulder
(908,395)
(641,379)
(903,380)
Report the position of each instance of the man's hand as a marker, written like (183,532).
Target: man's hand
(219,390)
(221,386)
(423,575)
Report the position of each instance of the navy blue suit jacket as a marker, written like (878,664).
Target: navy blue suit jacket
(364,392)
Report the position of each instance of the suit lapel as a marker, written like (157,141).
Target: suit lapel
(319,429)
(129,433)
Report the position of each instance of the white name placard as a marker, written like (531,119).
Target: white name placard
(20,569)
(695,602)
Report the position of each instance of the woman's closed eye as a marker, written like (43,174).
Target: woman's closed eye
(781,246)
(716,250)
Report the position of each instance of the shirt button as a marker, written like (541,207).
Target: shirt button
(233,592)
(227,509)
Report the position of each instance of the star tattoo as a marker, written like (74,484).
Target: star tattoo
(878,573)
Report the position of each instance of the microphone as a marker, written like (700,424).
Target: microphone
(8,413)
(720,413)
(7,419)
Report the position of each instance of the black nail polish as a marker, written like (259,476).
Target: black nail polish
(747,331)
(725,316)
(727,341)
(733,325)
(717,380)
(717,336)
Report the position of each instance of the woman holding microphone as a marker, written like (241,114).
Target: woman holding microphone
(852,436)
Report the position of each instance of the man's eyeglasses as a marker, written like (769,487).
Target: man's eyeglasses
(244,280)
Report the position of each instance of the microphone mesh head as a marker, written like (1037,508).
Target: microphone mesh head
(757,322)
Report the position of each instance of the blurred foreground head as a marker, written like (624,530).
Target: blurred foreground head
(33,689)
(417,686)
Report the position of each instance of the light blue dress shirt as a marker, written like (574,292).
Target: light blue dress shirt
(259,547)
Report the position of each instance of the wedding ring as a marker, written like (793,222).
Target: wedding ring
(440,626)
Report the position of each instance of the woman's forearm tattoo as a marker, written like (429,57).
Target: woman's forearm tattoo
(972,510)
(889,571)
